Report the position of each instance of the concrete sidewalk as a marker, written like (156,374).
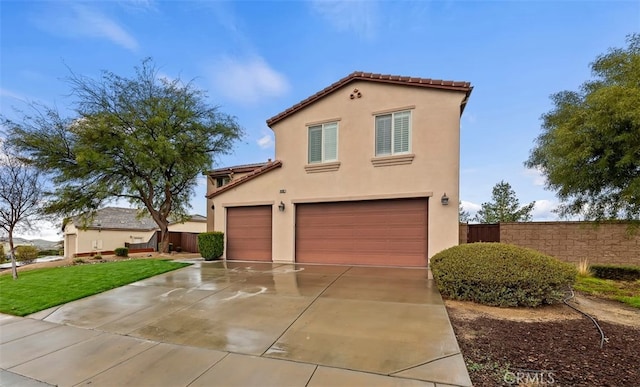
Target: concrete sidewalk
(243,324)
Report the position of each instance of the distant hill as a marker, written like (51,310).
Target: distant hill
(41,244)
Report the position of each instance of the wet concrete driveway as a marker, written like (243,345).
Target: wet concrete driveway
(240,323)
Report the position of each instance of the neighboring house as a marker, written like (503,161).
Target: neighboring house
(114,227)
(366,171)
(16,242)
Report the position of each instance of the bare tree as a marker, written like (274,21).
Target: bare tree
(20,196)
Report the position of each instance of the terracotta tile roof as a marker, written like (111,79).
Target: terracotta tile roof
(220,172)
(383,78)
(269,166)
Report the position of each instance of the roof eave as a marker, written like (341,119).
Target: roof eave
(259,172)
(382,78)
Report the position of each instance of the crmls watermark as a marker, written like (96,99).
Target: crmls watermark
(527,377)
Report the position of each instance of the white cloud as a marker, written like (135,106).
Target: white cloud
(142,5)
(358,16)
(47,230)
(78,21)
(543,210)
(265,142)
(470,207)
(10,94)
(248,80)
(536,175)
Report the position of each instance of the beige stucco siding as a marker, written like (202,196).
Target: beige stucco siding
(105,240)
(435,137)
(210,212)
(193,227)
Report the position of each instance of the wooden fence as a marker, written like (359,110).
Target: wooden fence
(483,233)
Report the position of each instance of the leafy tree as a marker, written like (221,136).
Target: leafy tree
(145,139)
(20,198)
(589,149)
(505,206)
(463,216)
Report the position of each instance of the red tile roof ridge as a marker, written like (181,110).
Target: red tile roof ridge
(269,166)
(234,167)
(375,77)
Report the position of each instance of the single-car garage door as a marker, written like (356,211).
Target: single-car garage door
(375,232)
(249,233)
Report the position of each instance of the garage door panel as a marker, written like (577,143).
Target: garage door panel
(249,234)
(381,232)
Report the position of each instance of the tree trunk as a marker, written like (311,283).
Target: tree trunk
(164,238)
(14,268)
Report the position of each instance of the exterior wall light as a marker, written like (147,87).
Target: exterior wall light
(281,207)
(444,199)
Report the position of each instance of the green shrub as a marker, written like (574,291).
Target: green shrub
(121,252)
(97,257)
(43,253)
(26,253)
(616,272)
(501,275)
(211,245)
(2,256)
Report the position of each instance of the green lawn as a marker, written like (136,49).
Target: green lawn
(627,292)
(39,289)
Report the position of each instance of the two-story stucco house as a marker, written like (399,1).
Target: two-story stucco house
(366,172)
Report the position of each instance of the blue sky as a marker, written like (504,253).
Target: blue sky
(257,58)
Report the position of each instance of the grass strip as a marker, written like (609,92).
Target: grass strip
(39,289)
(627,292)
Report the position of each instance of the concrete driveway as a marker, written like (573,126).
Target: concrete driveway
(243,324)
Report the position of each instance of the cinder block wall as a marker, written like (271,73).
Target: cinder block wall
(607,243)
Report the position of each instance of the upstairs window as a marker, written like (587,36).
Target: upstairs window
(323,143)
(393,133)
(220,181)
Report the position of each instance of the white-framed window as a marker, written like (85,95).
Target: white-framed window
(323,143)
(393,133)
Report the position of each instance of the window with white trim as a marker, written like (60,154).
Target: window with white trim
(393,133)
(323,143)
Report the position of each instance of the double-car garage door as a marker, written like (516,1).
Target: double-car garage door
(377,232)
(374,232)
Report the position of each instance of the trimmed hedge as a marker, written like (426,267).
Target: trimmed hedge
(43,253)
(121,252)
(499,274)
(616,272)
(211,245)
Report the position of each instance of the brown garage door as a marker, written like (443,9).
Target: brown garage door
(249,233)
(378,232)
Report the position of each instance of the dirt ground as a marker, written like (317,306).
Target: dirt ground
(551,345)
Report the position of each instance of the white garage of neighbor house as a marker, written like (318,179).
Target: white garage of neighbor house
(366,171)
(114,227)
